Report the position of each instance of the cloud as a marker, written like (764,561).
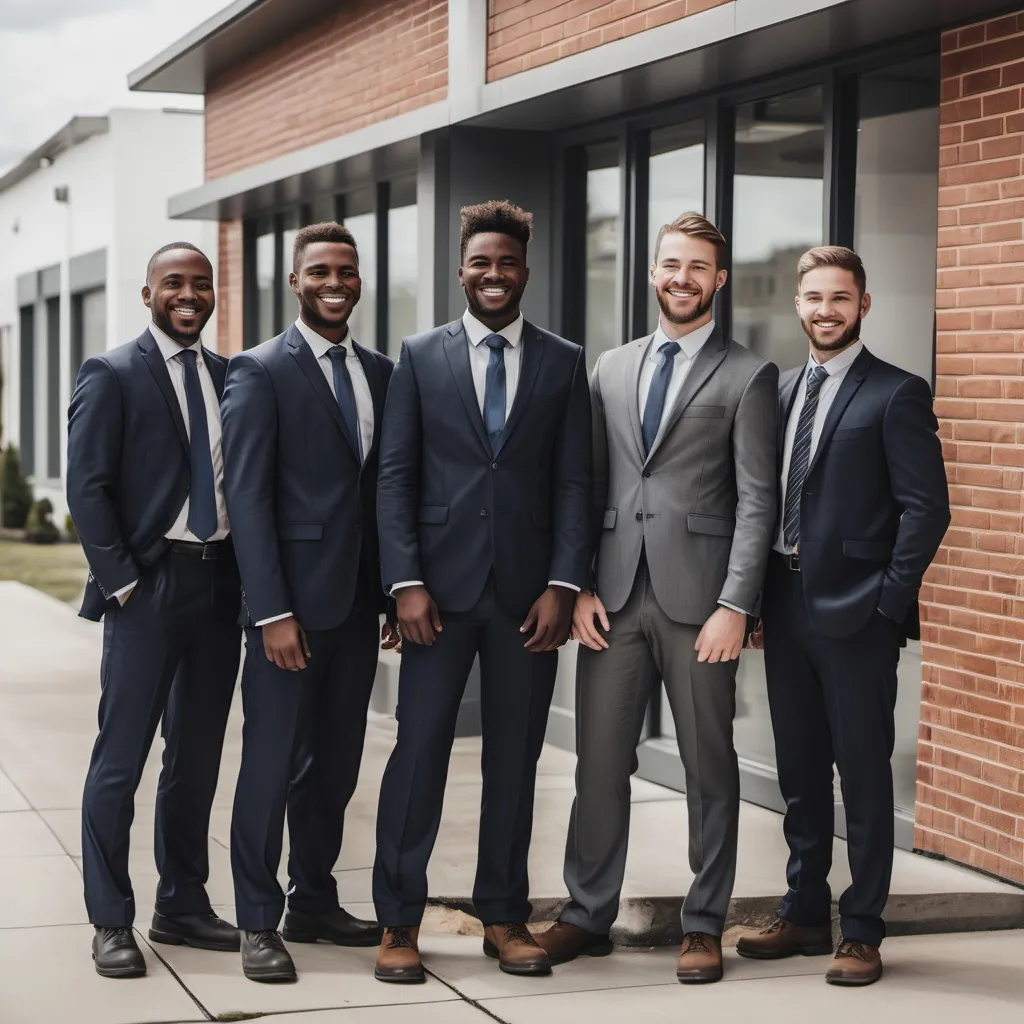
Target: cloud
(25,15)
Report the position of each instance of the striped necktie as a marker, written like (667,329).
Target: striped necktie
(801,457)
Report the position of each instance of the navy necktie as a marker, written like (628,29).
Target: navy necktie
(494,391)
(345,395)
(800,459)
(657,393)
(202,501)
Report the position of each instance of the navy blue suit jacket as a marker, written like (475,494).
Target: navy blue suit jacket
(300,503)
(128,463)
(875,503)
(449,510)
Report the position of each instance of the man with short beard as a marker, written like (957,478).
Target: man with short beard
(684,504)
(863,508)
(145,489)
(302,415)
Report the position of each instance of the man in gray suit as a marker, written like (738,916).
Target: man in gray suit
(684,488)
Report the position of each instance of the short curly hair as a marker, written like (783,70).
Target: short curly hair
(327,231)
(499,216)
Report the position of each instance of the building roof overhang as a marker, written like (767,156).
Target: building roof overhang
(76,131)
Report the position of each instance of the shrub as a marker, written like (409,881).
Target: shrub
(15,493)
(39,526)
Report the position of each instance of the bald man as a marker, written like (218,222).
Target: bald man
(145,490)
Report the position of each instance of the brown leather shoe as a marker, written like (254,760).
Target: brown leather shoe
(855,963)
(515,949)
(398,958)
(700,959)
(783,938)
(564,942)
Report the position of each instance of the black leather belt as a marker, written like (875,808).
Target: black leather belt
(208,552)
(793,561)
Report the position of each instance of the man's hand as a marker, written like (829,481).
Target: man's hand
(391,636)
(550,619)
(285,644)
(588,608)
(418,620)
(722,636)
(755,642)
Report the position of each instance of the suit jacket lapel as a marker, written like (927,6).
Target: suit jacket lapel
(154,359)
(851,382)
(705,362)
(217,370)
(308,364)
(529,369)
(632,381)
(456,349)
(377,391)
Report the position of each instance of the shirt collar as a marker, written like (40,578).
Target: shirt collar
(476,331)
(170,348)
(840,363)
(689,345)
(317,342)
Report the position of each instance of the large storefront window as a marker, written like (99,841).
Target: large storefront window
(361,220)
(403,240)
(266,243)
(604,242)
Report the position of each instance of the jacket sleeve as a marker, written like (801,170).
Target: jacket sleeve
(573,494)
(95,436)
(599,436)
(249,428)
(398,480)
(913,454)
(754,443)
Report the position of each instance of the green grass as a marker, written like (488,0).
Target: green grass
(56,569)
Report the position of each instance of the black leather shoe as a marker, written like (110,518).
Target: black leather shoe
(337,926)
(202,931)
(264,957)
(116,953)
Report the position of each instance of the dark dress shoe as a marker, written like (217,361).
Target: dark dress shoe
(783,938)
(201,931)
(515,949)
(564,942)
(337,926)
(855,963)
(116,953)
(264,957)
(398,959)
(700,959)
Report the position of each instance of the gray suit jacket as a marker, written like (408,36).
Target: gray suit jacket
(703,502)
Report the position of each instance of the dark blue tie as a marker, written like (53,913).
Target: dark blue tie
(494,390)
(800,458)
(202,501)
(345,395)
(656,395)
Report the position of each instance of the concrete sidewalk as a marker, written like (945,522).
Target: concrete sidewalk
(48,693)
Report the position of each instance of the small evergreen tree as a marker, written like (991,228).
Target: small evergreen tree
(15,493)
(39,526)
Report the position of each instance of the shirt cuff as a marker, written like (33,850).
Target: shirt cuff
(402,585)
(124,590)
(559,583)
(733,608)
(273,618)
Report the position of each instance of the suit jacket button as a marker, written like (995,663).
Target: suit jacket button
(483,512)
(494,465)
(639,517)
(647,472)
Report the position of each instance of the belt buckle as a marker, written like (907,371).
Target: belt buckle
(209,552)
(793,561)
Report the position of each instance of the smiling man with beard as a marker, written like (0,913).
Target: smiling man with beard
(302,415)
(684,504)
(863,508)
(145,490)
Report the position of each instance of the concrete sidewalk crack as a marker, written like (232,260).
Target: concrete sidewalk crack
(174,974)
(466,999)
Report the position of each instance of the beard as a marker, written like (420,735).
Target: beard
(312,317)
(847,338)
(483,314)
(182,338)
(674,318)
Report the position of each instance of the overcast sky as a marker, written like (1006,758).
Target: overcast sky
(59,58)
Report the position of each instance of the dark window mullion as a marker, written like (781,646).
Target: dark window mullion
(718,192)
(382,205)
(638,258)
(277,296)
(840,110)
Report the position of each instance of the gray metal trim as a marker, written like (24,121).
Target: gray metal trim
(467,57)
(49,282)
(88,271)
(76,131)
(27,288)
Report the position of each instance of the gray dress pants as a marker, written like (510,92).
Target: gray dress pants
(613,689)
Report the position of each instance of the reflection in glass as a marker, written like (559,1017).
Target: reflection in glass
(363,321)
(265,327)
(289,303)
(897,211)
(675,185)
(402,243)
(777,216)
(604,208)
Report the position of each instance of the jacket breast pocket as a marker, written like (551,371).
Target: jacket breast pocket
(708,412)
(611,515)
(852,433)
(712,526)
(302,531)
(432,515)
(868,550)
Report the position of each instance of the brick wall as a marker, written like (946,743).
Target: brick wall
(230,312)
(971,753)
(372,60)
(523,34)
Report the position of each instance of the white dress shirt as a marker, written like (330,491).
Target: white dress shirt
(479,357)
(836,368)
(689,346)
(171,352)
(360,385)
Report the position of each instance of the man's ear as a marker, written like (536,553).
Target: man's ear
(720,279)
(147,296)
(865,305)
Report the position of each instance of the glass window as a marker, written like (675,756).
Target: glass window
(403,241)
(289,303)
(361,220)
(265,327)
(322,209)
(778,195)
(27,396)
(675,185)
(53,409)
(603,248)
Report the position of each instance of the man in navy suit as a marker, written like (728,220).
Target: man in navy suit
(863,508)
(302,416)
(483,507)
(145,490)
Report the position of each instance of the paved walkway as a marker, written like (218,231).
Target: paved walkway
(48,692)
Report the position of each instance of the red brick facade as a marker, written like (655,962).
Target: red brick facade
(971,753)
(230,287)
(372,60)
(523,34)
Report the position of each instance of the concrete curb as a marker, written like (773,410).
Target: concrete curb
(655,920)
